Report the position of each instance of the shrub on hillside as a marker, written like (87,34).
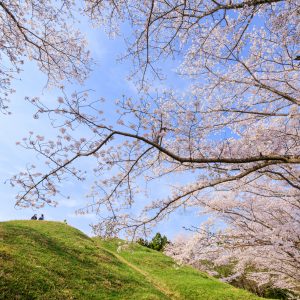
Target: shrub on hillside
(157,243)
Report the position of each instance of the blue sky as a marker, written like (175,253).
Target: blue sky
(108,80)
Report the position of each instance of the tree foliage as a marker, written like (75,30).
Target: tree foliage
(44,32)
(157,243)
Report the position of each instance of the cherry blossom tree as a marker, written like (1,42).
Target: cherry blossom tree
(41,31)
(261,239)
(234,132)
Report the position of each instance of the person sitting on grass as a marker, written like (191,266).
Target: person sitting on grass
(34,217)
(41,217)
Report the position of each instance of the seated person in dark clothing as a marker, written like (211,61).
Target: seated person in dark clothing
(41,217)
(34,217)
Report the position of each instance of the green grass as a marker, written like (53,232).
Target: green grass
(51,260)
(186,282)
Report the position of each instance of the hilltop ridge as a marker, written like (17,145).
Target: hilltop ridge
(51,260)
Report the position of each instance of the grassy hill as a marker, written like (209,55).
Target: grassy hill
(51,260)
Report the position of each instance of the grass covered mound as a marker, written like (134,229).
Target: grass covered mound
(51,260)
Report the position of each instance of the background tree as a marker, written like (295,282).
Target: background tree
(260,242)
(234,132)
(157,243)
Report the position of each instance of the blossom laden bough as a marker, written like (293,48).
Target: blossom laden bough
(41,31)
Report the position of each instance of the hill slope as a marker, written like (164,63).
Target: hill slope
(51,260)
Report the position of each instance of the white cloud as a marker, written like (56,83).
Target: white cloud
(85,216)
(69,203)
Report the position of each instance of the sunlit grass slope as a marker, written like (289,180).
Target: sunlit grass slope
(185,282)
(51,260)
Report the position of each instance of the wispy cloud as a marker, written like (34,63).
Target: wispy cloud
(85,216)
(69,203)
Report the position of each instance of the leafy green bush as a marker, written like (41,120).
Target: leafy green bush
(157,243)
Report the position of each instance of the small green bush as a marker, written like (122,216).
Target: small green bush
(157,243)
